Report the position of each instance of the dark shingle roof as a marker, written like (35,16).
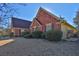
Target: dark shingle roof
(20,23)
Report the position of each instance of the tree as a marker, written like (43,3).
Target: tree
(7,10)
(76,19)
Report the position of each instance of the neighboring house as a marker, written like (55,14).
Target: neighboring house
(18,26)
(45,21)
(3,32)
(67,29)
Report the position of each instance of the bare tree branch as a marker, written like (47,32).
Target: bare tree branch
(7,10)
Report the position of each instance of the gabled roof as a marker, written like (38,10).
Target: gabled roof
(48,13)
(42,9)
(20,23)
(35,19)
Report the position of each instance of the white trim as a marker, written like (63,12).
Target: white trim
(32,23)
(39,23)
(36,27)
(36,21)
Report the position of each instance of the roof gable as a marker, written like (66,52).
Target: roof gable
(49,13)
(35,20)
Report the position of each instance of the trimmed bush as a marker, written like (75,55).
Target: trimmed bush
(28,36)
(43,35)
(36,34)
(11,34)
(25,33)
(53,35)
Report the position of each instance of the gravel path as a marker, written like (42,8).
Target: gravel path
(39,47)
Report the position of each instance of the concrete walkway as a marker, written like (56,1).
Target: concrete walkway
(4,42)
(39,47)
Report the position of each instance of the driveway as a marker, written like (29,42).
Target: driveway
(39,47)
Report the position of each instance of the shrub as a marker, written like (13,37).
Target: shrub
(25,33)
(43,35)
(6,35)
(53,35)
(28,36)
(11,34)
(36,34)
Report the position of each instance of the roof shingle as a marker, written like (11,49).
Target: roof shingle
(20,23)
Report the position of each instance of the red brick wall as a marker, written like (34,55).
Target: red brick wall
(45,18)
(16,31)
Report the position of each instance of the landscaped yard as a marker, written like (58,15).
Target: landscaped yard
(39,47)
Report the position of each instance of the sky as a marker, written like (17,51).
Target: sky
(66,10)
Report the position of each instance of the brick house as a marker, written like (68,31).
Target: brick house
(45,21)
(18,26)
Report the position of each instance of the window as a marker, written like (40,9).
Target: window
(48,27)
(22,30)
(36,28)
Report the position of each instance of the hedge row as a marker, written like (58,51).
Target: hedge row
(35,34)
(52,35)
